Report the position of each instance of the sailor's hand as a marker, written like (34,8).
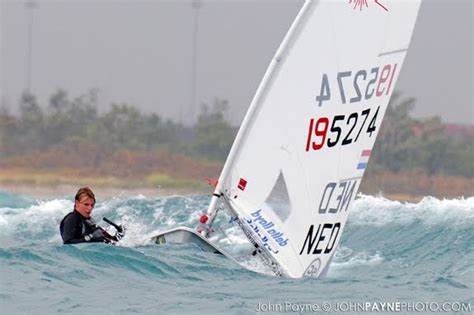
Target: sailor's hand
(97,235)
(121,234)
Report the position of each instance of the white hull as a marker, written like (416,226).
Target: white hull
(185,235)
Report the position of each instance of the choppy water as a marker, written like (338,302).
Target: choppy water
(390,252)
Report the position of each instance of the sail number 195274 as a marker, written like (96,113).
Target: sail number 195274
(344,129)
(364,84)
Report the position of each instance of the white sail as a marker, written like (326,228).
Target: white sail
(298,159)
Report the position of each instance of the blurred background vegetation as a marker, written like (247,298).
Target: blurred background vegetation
(68,141)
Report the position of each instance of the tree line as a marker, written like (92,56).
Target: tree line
(404,143)
(76,122)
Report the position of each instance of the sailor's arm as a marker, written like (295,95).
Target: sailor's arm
(71,231)
(95,237)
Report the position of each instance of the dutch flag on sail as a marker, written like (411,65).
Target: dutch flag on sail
(364,159)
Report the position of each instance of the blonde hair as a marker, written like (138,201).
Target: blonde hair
(84,191)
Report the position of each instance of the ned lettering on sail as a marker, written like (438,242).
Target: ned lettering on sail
(344,190)
(323,240)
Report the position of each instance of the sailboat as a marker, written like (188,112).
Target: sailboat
(298,159)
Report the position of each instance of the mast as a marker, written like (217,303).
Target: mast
(255,106)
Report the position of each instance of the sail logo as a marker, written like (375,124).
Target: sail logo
(364,3)
(313,268)
(269,227)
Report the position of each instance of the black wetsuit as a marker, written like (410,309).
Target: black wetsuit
(74,227)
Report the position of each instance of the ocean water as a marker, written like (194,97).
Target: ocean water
(417,256)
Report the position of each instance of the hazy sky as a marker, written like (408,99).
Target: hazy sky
(141,52)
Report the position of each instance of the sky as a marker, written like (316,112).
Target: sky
(171,56)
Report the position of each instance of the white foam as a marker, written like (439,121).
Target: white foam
(135,233)
(234,236)
(36,217)
(140,197)
(345,258)
(370,210)
(254,263)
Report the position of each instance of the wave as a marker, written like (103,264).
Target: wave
(378,229)
(378,211)
(39,219)
(388,248)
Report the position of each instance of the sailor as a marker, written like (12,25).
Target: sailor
(78,226)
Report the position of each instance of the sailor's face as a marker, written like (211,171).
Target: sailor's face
(85,206)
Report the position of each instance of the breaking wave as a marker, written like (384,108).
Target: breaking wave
(388,249)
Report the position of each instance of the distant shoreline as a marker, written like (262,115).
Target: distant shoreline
(68,191)
(410,186)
